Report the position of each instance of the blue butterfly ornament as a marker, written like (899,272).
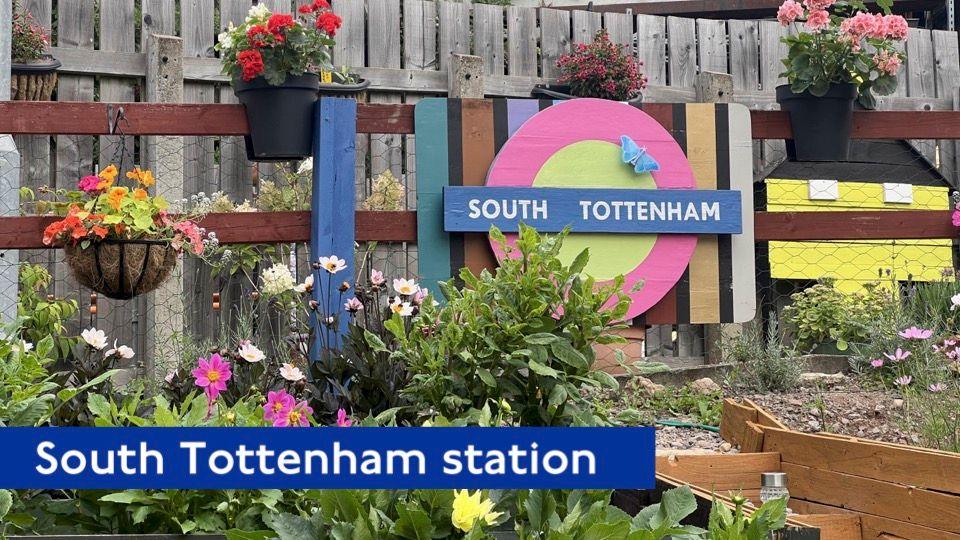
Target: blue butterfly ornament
(637,156)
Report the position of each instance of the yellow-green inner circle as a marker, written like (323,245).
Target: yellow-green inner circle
(598,164)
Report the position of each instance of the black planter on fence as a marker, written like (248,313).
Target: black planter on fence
(280,117)
(821,125)
(562,91)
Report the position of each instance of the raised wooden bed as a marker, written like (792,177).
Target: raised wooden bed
(846,486)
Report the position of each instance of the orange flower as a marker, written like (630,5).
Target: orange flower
(108,175)
(104,184)
(52,231)
(140,194)
(115,198)
(100,231)
(143,177)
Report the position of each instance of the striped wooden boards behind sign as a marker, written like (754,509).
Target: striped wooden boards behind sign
(458,140)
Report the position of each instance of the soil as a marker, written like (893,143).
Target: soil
(837,405)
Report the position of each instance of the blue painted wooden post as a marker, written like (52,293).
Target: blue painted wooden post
(332,214)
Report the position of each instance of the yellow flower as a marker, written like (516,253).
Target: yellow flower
(143,177)
(115,198)
(139,194)
(469,509)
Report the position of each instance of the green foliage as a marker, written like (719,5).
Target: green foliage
(516,345)
(42,315)
(761,365)
(587,514)
(27,391)
(735,525)
(684,402)
(823,314)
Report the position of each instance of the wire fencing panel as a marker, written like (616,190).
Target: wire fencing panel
(402,46)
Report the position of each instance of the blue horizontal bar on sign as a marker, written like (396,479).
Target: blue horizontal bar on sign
(625,211)
(327,458)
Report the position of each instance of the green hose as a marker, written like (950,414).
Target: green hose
(677,423)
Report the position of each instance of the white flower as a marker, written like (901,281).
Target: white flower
(249,352)
(404,309)
(332,264)
(276,280)
(954,302)
(258,11)
(122,351)
(94,338)
(245,206)
(307,285)
(306,166)
(291,373)
(225,40)
(405,286)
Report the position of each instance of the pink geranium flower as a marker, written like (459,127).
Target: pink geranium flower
(859,26)
(789,11)
(212,375)
(342,419)
(89,183)
(898,356)
(278,406)
(818,20)
(915,333)
(895,27)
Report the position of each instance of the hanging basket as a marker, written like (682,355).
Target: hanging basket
(122,269)
(34,81)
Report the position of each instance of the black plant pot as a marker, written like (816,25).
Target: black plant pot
(562,91)
(280,117)
(821,125)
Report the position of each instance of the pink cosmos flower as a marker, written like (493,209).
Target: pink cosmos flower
(89,183)
(915,333)
(789,11)
(896,27)
(278,406)
(342,419)
(937,387)
(212,375)
(297,416)
(903,381)
(353,305)
(376,278)
(818,20)
(878,363)
(898,356)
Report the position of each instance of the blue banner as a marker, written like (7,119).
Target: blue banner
(327,458)
(627,211)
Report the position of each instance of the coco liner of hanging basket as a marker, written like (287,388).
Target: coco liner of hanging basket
(122,269)
(34,81)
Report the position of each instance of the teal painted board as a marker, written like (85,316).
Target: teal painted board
(332,223)
(433,244)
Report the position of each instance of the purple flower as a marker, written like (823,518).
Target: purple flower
(916,333)
(898,356)
(903,381)
(878,363)
(342,419)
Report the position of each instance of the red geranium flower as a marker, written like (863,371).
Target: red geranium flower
(257,35)
(278,24)
(329,22)
(251,63)
(320,4)
(305,9)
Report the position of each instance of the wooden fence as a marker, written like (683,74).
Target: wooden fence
(403,47)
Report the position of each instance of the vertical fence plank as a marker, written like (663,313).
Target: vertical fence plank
(586,24)
(454,30)
(947,59)
(712,45)
(157,17)
(554,39)
(488,37)
(35,149)
(652,47)
(522,39)
(620,28)
(772,51)
(682,37)
(744,55)
(921,80)
(75,30)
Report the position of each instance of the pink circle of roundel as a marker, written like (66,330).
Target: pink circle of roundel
(554,128)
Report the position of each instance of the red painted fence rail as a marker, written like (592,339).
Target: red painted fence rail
(77,118)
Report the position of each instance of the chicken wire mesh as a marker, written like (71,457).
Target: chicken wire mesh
(880,175)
